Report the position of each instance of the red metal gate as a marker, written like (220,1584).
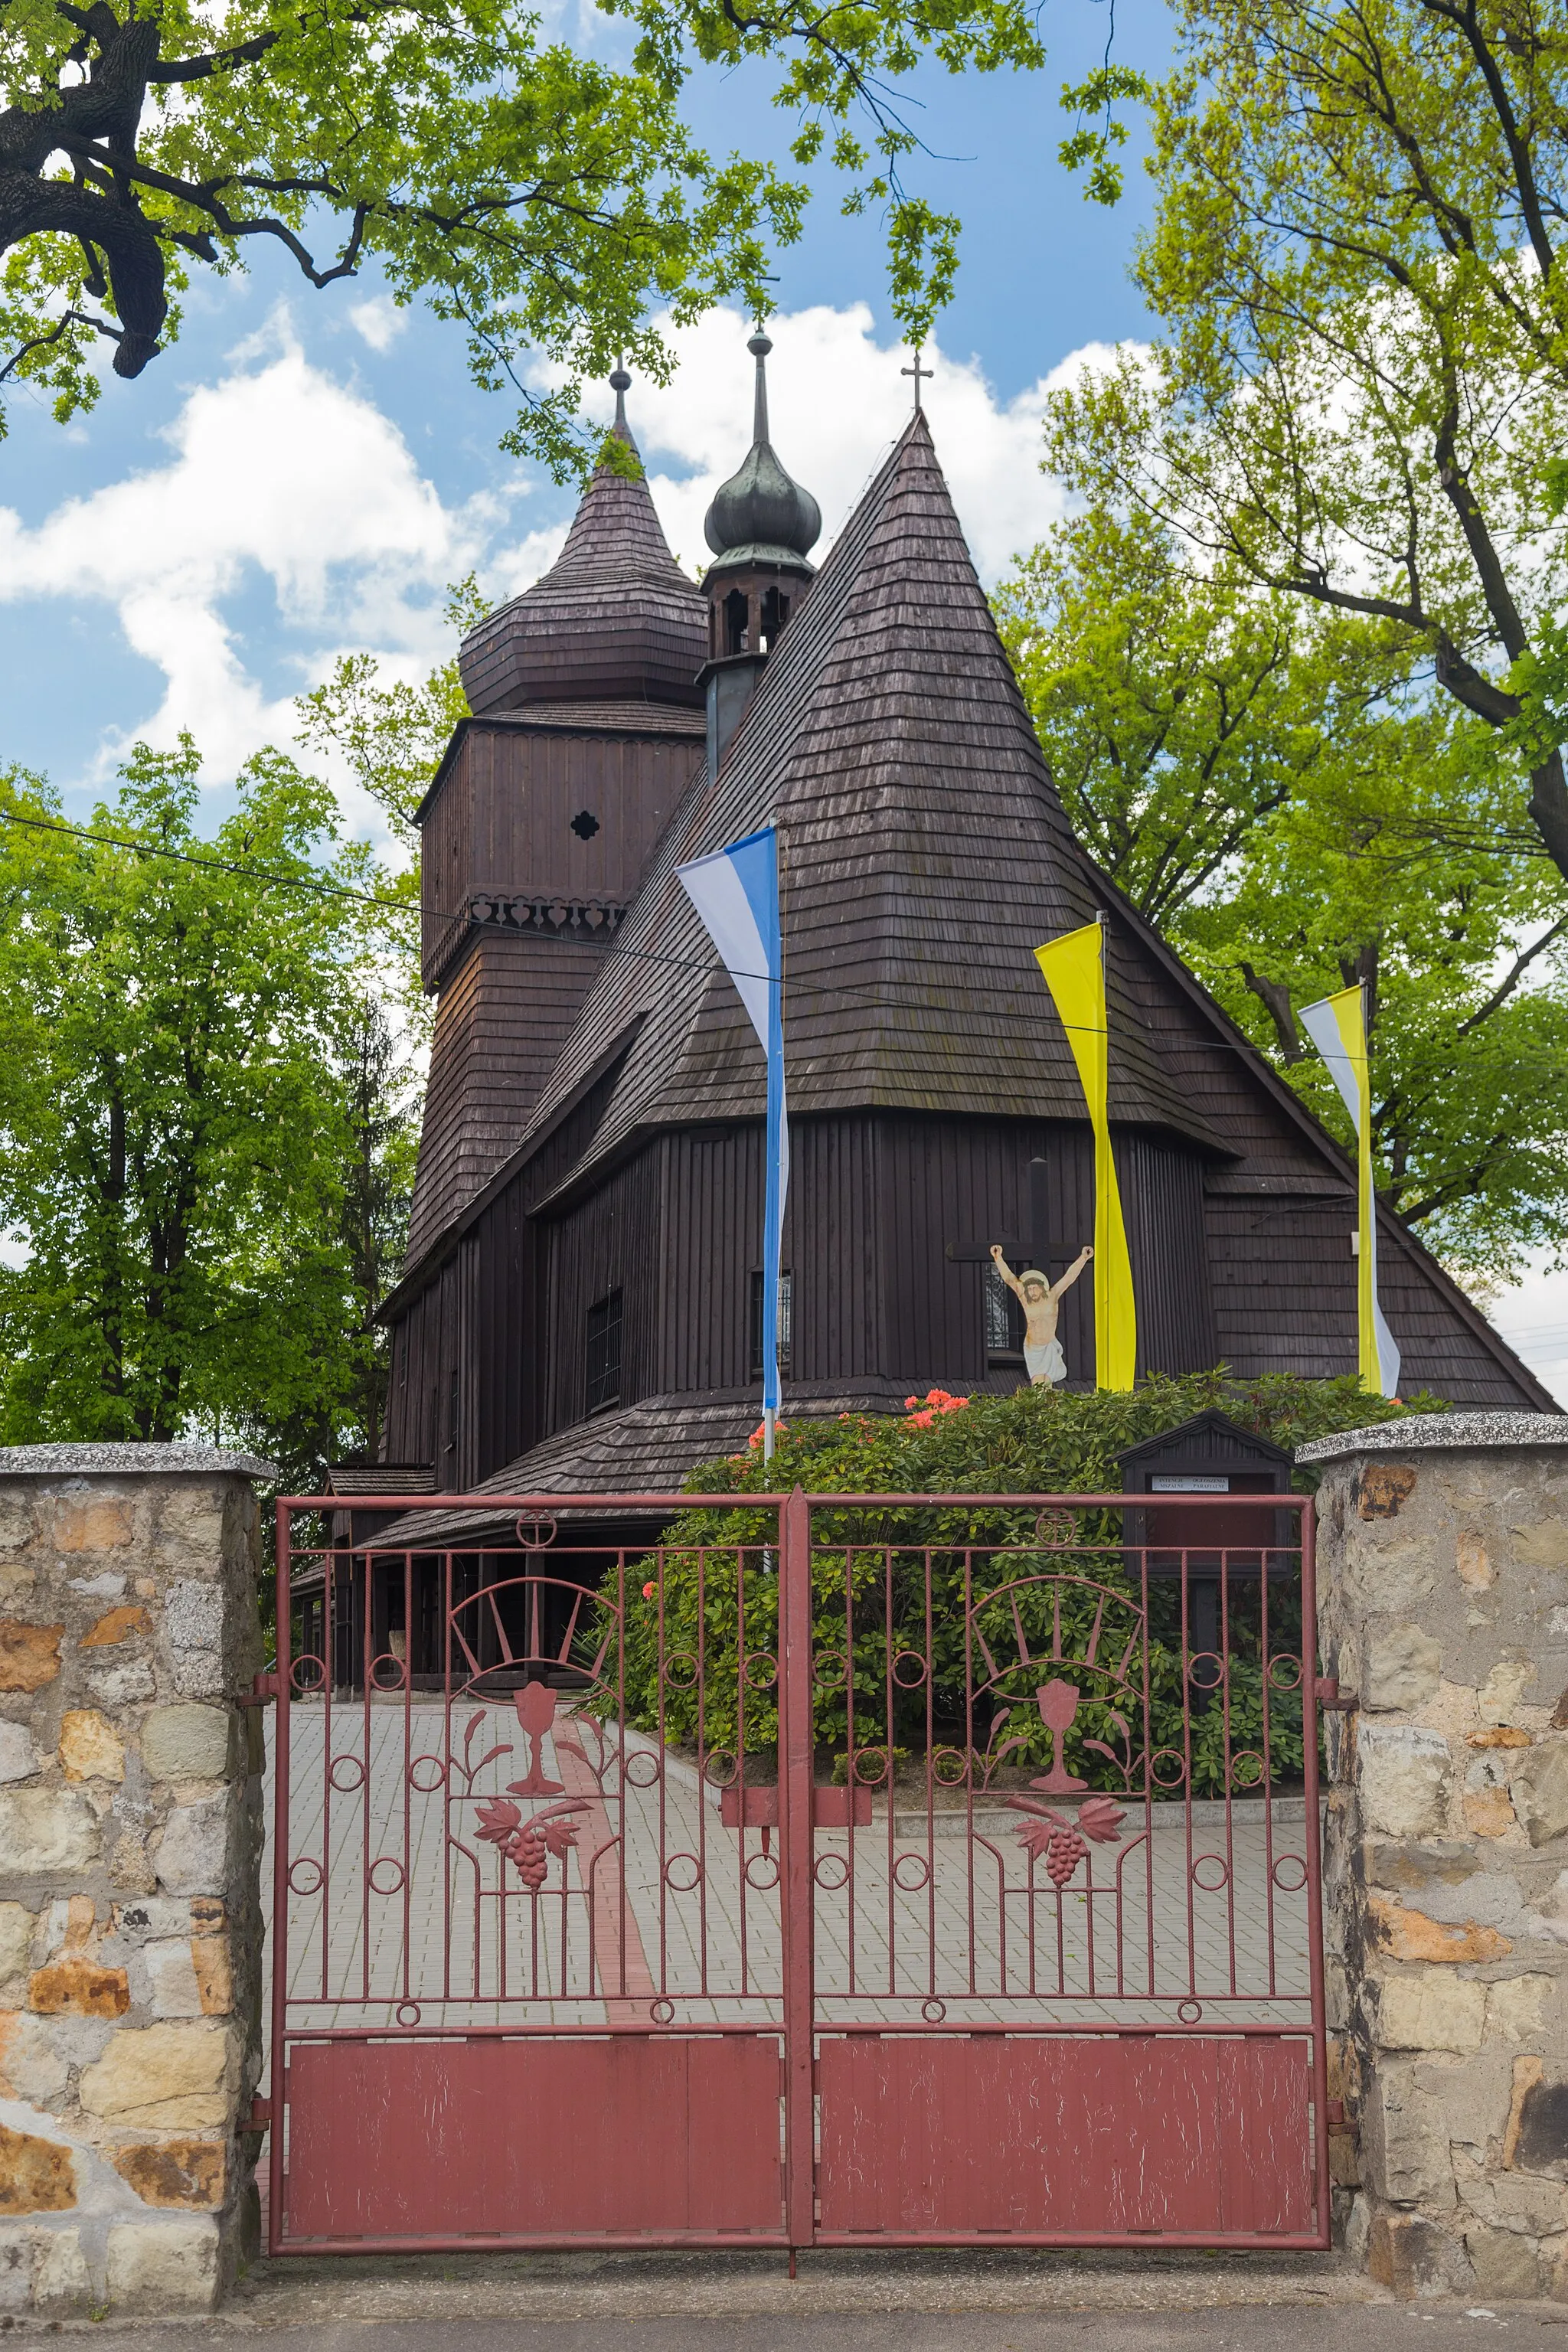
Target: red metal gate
(857,1869)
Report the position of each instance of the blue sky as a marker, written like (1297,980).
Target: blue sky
(303,473)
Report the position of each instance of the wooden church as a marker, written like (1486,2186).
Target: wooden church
(581,1308)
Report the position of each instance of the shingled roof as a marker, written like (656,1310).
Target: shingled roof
(925,855)
(615,617)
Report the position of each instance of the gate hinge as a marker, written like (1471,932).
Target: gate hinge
(263,1691)
(1326,1691)
(260,2116)
(1339,2122)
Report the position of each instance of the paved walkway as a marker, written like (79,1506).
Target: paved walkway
(386,1924)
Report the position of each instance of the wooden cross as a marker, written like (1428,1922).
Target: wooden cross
(1035,1248)
(920,375)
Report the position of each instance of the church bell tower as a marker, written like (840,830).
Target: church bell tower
(760,527)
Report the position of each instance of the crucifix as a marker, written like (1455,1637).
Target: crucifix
(922,375)
(1048,1256)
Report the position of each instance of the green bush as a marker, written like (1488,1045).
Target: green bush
(700,1671)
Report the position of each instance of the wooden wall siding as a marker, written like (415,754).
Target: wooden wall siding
(1162,1188)
(431,1346)
(508,1354)
(831,1250)
(501,824)
(712,1211)
(500,1021)
(609,1241)
(967,1182)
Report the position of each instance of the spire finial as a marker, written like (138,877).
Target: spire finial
(620,384)
(920,375)
(762,347)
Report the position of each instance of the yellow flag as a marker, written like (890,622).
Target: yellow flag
(1074,967)
(1337,1026)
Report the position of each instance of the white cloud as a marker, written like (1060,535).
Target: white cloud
(837,400)
(282,476)
(275,468)
(379,320)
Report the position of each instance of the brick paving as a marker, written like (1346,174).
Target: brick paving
(915,1921)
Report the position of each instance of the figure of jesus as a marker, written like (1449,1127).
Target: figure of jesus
(1042,1357)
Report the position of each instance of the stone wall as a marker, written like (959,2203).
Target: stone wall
(1442,1611)
(130,1832)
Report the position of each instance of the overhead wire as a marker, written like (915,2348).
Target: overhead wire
(316,885)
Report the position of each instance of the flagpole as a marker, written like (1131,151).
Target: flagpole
(769,1416)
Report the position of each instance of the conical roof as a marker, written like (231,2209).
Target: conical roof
(614,618)
(925,855)
(761,515)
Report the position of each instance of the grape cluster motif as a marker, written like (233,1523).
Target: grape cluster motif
(1064,1850)
(1061,1844)
(528,1845)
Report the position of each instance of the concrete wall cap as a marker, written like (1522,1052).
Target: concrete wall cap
(127,1461)
(1446,1432)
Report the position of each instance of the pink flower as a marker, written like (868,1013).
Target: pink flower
(649,1590)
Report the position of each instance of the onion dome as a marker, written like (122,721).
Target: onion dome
(614,619)
(761,516)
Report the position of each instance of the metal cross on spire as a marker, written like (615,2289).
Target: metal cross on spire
(920,375)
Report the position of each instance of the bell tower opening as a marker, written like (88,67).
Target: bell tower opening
(776,613)
(760,526)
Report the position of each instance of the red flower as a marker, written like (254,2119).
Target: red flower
(935,1400)
(649,1590)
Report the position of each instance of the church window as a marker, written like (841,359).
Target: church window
(1003,1323)
(584,825)
(735,618)
(786,1319)
(605,1352)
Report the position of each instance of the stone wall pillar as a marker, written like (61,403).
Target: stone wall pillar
(131,1828)
(1442,1611)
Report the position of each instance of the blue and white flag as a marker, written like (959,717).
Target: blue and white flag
(736,892)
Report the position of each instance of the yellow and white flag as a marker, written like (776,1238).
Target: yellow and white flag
(1337,1027)
(1074,967)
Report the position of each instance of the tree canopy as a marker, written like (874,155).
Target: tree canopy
(205,1140)
(1359,394)
(540,199)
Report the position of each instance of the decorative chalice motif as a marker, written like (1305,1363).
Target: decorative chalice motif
(529,1844)
(535,1704)
(1058,1703)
